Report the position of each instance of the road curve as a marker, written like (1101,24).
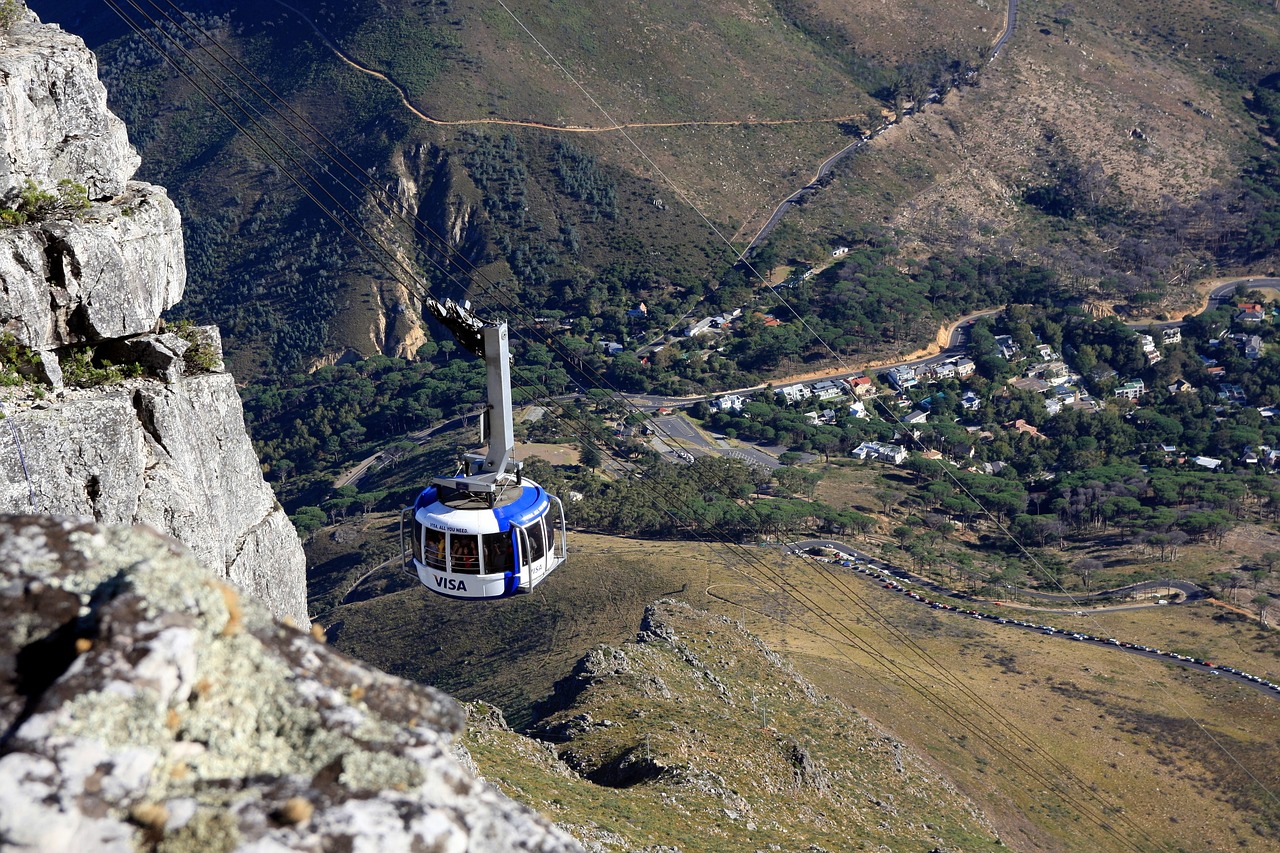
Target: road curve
(1010,21)
(559,128)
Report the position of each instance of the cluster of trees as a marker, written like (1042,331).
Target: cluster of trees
(497,167)
(1160,510)
(712,497)
(868,304)
(582,178)
(307,423)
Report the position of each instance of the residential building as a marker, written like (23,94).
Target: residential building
(916,417)
(965,368)
(611,347)
(1008,349)
(1132,390)
(794,393)
(1055,370)
(1208,462)
(1046,353)
(1251,312)
(945,370)
(1030,383)
(729,403)
(1171,335)
(1181,386)
(861,385)
(826,416)
(1021,425)
(701,327)
(1232,393)
(839,251)
(1253,347)
(880,451)
(970,401)
(902,378)
(827,389)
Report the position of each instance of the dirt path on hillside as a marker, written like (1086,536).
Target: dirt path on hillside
(560,128)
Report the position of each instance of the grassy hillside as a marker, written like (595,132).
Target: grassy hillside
(1150,105)
(700,724)
(1165,754)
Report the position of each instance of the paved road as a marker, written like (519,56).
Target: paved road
(1224,292)
(889,576)
(815,183)
(1010,21)
(352,475)
(1218,297)
(680,428)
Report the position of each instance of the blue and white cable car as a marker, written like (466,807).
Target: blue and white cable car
(487,533)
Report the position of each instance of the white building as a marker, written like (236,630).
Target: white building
(891,453)
(794,393)
(729,403)
(902,378)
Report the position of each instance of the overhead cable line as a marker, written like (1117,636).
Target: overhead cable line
(840,359)
(382,248)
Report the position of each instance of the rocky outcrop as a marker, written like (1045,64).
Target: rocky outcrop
(159,438)
(145,705)
(174,456)
(54,122)
(106,272)
(701,716)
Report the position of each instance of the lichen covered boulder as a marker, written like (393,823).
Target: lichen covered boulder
(145,702)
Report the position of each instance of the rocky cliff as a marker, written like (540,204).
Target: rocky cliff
(146,705)
(107,415)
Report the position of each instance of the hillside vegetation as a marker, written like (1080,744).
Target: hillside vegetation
(1100,126)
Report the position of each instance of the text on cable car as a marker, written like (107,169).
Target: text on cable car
(452,584)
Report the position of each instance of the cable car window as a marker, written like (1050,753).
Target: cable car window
(498,553)
(417,540)
(432,548)
(537,541)
(464,553)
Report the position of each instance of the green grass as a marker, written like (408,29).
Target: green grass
(1111,718)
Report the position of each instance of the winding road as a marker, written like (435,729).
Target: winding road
(815,183)
(558,128)
(889,576)
(779,211)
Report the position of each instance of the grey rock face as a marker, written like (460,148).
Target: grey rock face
(161,355)
(144,704)
(170,451)
(107,273)
(54,122)
(175,457)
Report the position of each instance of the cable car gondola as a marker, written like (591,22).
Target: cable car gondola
(487,532)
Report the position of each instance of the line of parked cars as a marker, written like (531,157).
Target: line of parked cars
(886,578)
